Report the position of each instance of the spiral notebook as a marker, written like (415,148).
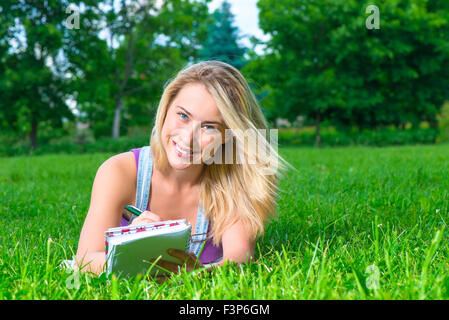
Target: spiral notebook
(129,249)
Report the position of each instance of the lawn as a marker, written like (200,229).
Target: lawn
(354,223)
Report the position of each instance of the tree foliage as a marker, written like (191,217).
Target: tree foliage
(323,62)
(222,39)
(121,74)
(32,85)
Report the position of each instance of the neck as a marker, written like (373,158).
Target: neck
(183,179)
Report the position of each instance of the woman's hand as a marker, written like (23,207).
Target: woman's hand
(146,217)
(187,260)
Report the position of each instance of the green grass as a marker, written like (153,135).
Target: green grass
(355,223)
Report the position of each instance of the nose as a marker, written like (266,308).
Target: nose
(191,136)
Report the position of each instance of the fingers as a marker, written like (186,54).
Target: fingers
(189,259)
(146,217)
(171,266)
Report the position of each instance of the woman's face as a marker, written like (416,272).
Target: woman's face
(193,127)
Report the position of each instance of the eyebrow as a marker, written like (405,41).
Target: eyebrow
(207,121)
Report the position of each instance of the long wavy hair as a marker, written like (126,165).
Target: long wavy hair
(242,190)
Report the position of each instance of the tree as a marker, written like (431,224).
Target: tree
(33,88)
(145,45)
(325,63)
(397,73)
(301,61)
(221,43)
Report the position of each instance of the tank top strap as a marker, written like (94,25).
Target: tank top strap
(144,171)
(201,228)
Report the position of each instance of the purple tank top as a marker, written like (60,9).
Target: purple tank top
(210,252)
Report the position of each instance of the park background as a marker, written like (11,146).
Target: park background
(84,76)
(81,81)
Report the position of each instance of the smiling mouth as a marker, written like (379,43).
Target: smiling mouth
(183,151)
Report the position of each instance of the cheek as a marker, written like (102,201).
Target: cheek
(209,140)
(168,128)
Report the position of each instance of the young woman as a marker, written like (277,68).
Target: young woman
(197,167)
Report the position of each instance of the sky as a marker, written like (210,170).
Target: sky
(246,15)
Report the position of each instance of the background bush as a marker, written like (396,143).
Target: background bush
(286,137)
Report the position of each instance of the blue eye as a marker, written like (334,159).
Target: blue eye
(210,127)
(183,115)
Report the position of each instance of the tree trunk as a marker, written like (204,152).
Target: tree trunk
(117,117)
(33,133)
(122,84)
(433,122)
(317,128)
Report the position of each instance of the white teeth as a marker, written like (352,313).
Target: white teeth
(182,151)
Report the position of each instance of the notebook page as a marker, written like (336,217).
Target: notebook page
(129,237)
(148,226)
(129,255)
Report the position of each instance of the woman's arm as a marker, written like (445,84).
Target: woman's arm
(237,246)
(112,190)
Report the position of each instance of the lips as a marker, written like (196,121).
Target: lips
(182,151)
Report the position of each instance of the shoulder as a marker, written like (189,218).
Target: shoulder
(122,163)
(118,173)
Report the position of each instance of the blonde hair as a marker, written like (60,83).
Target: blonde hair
(228,192)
